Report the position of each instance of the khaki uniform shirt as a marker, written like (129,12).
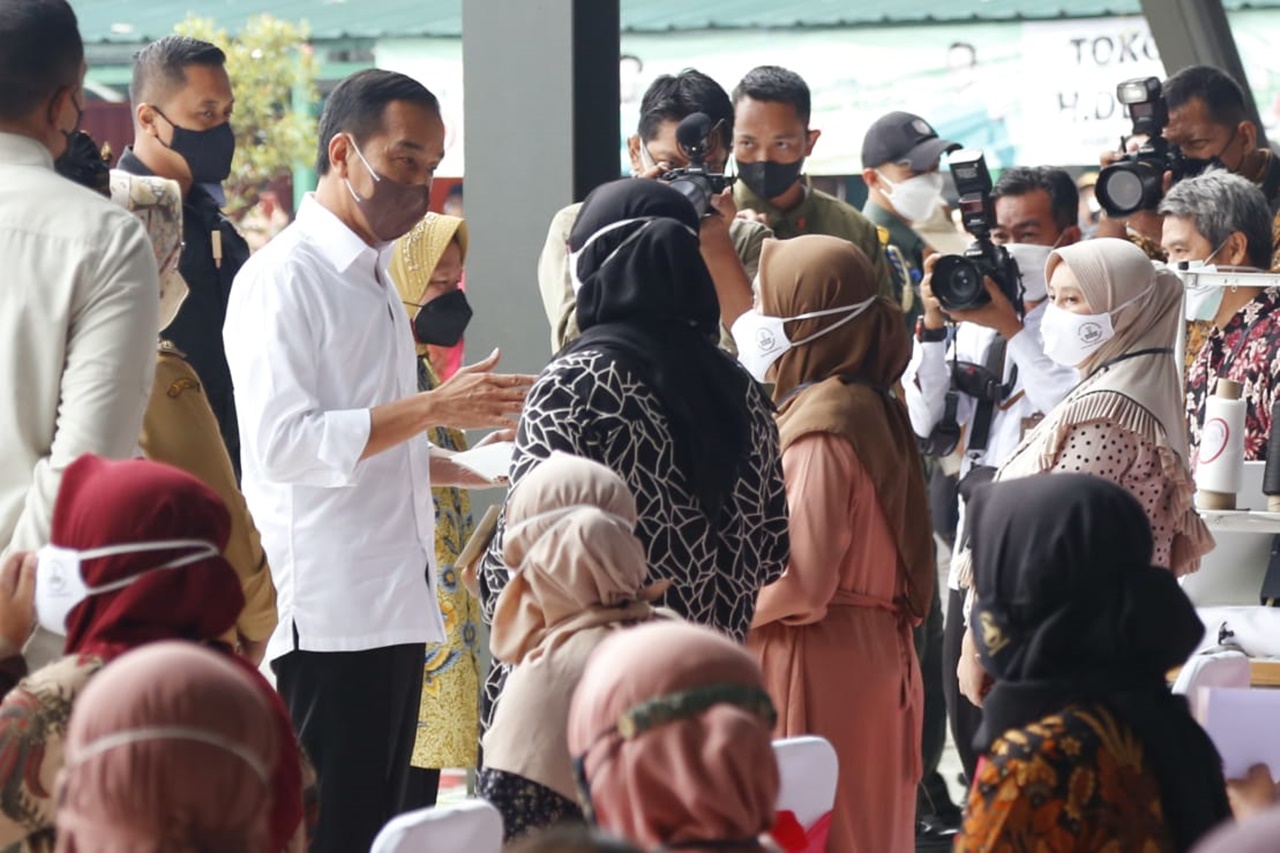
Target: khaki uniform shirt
(557,288)
(821,213)
(179,429)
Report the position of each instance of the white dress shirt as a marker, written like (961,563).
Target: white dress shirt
(316,338)
(79,303)
(1041,385)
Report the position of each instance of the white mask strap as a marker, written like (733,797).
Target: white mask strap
(854,311)
(575,257)
(187,733)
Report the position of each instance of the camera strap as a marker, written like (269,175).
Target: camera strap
(980,433)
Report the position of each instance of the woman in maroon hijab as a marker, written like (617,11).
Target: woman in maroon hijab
(135,557)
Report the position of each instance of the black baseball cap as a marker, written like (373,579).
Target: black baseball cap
(904,137)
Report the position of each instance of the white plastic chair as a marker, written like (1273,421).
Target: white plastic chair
(1218,669)
(809,770)
(473,826)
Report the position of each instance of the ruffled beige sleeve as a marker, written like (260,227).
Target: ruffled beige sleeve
(1151,475)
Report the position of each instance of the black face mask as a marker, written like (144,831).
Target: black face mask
(768,179)
(442,321)
(208,152)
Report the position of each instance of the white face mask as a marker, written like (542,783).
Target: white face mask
(60,583)
(1070,338)
(915,198)
(762,340)
(575,257)
(1031,260)
(1202,301)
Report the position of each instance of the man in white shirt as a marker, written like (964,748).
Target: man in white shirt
(79,304)
(337,470)
(1035,212)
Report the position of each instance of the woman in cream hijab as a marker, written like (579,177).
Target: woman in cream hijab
(578,575)
(1115,317)
(179,427)
(426,265)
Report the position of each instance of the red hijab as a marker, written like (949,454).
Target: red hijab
(104,502)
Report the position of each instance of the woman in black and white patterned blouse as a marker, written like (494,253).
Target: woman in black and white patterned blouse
(646,392)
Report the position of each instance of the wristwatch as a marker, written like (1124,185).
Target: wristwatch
(925,335)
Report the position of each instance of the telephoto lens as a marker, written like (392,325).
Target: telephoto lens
(958,284)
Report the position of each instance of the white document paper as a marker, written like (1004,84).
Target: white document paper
(1245,727)
(491,461)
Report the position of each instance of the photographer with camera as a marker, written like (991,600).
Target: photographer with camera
(987,387)
(1195,120)
(1217,221)
(730,244)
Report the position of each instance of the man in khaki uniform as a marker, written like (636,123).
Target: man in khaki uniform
(771,140)
(179,427)
(733,259)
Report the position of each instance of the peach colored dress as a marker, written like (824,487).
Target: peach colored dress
(837,653)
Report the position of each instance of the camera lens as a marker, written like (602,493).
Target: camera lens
(958,284)
(696,189)
(1126,187)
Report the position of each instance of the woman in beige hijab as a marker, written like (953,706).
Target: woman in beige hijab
(578,575)
(426,265)
(179,427)
(1115,317)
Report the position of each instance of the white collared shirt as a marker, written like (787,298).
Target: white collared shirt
(1040,386)
(79,300)
(316,338)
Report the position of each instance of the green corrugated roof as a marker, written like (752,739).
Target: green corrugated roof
(133,21)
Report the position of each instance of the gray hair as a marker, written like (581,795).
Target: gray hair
(1219,203)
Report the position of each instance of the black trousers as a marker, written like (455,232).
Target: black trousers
(932,798)
(356,714)
(965,716)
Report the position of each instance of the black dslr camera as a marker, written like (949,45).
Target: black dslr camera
(1136,181)
(958,279)
(695,182)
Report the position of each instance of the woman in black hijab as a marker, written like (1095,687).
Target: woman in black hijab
(1085,747)
(646,392)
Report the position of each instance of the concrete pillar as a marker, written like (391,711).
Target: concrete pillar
(540,82)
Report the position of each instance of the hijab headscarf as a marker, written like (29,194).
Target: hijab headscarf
(1070,610)
(157,204)
(1133,380)
(647,301)
(169,749)
(578,572)
(417,254)
(671,726)
(842,383)
(105,502)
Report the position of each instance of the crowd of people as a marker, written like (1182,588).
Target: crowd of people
(762,430)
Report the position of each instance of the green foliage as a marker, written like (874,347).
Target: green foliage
(273,74)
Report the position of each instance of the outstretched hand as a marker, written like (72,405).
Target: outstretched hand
(475,397)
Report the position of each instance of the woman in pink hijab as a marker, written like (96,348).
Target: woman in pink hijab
(169,749)
(670,732)
(577,576)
